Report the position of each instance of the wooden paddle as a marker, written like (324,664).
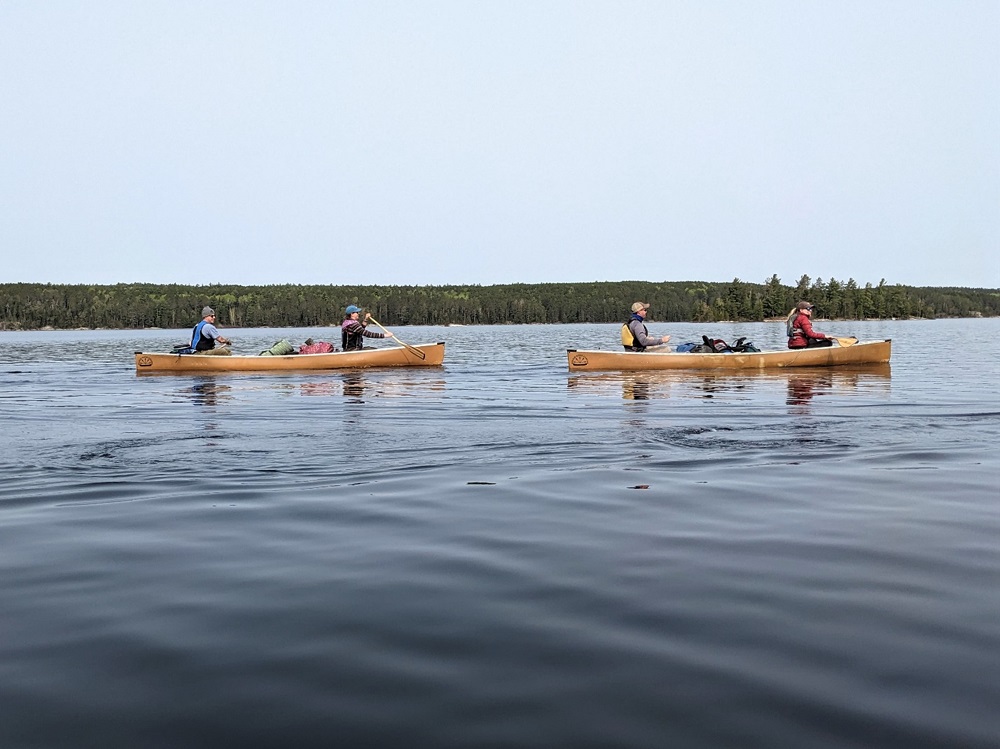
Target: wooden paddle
(845,342)
(412,349)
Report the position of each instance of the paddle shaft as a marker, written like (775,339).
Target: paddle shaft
(412,349)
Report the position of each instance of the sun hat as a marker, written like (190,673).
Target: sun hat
(351,309)
(639,306)
(206,311)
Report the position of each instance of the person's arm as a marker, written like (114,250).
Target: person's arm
(385,334)
(213,332)
(806,324)
(645,340)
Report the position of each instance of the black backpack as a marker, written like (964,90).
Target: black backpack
(742,345)
(719,346)
(716,345)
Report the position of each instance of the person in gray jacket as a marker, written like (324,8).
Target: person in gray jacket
(635,337)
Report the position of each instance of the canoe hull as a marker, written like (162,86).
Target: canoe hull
(868,352)
(380,357)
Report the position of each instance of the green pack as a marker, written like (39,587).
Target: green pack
(281,348)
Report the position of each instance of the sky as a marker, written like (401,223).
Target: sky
(426,143)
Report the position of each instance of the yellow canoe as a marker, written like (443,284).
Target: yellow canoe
(433,355)
(866,352)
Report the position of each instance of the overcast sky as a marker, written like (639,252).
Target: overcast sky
(499,142)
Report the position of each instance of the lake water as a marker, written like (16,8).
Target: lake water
(499,553)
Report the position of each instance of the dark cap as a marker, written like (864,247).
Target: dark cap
(805,305)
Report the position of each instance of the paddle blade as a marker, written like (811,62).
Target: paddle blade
(414,350)
(845,342)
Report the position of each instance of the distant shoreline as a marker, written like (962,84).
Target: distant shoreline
(51,329)
(151,306)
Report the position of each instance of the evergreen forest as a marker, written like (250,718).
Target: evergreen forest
(27,306)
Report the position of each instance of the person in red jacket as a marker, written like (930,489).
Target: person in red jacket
(800,331)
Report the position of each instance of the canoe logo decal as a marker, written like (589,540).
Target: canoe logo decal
(144,361)
(579,360)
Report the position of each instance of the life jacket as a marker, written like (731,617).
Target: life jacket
(791,329)
(351,341)
(200,341)
(797,337)
(628,340)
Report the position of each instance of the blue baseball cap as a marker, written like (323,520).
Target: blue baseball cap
(351,309)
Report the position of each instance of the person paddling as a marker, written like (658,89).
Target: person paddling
(205,335)
(353,330)
(635,337)
(800,331)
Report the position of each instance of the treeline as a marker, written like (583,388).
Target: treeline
(33,306)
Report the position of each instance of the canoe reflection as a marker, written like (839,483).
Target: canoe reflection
(801,384)
(351,385)
(209,393)
(356,384)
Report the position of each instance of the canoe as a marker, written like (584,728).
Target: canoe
(397,356)
(865,352)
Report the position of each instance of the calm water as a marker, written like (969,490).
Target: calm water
(500,553)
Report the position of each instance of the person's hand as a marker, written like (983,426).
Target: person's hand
(368,315)
(388,334)
(664,339)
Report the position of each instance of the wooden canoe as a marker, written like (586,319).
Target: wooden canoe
(396,356)
(866,352)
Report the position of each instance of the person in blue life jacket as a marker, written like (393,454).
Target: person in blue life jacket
(354,330)
(635,337)
(205,335)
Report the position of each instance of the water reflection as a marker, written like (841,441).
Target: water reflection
(321,388)
(803,388)
(801,385)
(354,386)
(208,393)
(638,386)
(805,385)
(637,389)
